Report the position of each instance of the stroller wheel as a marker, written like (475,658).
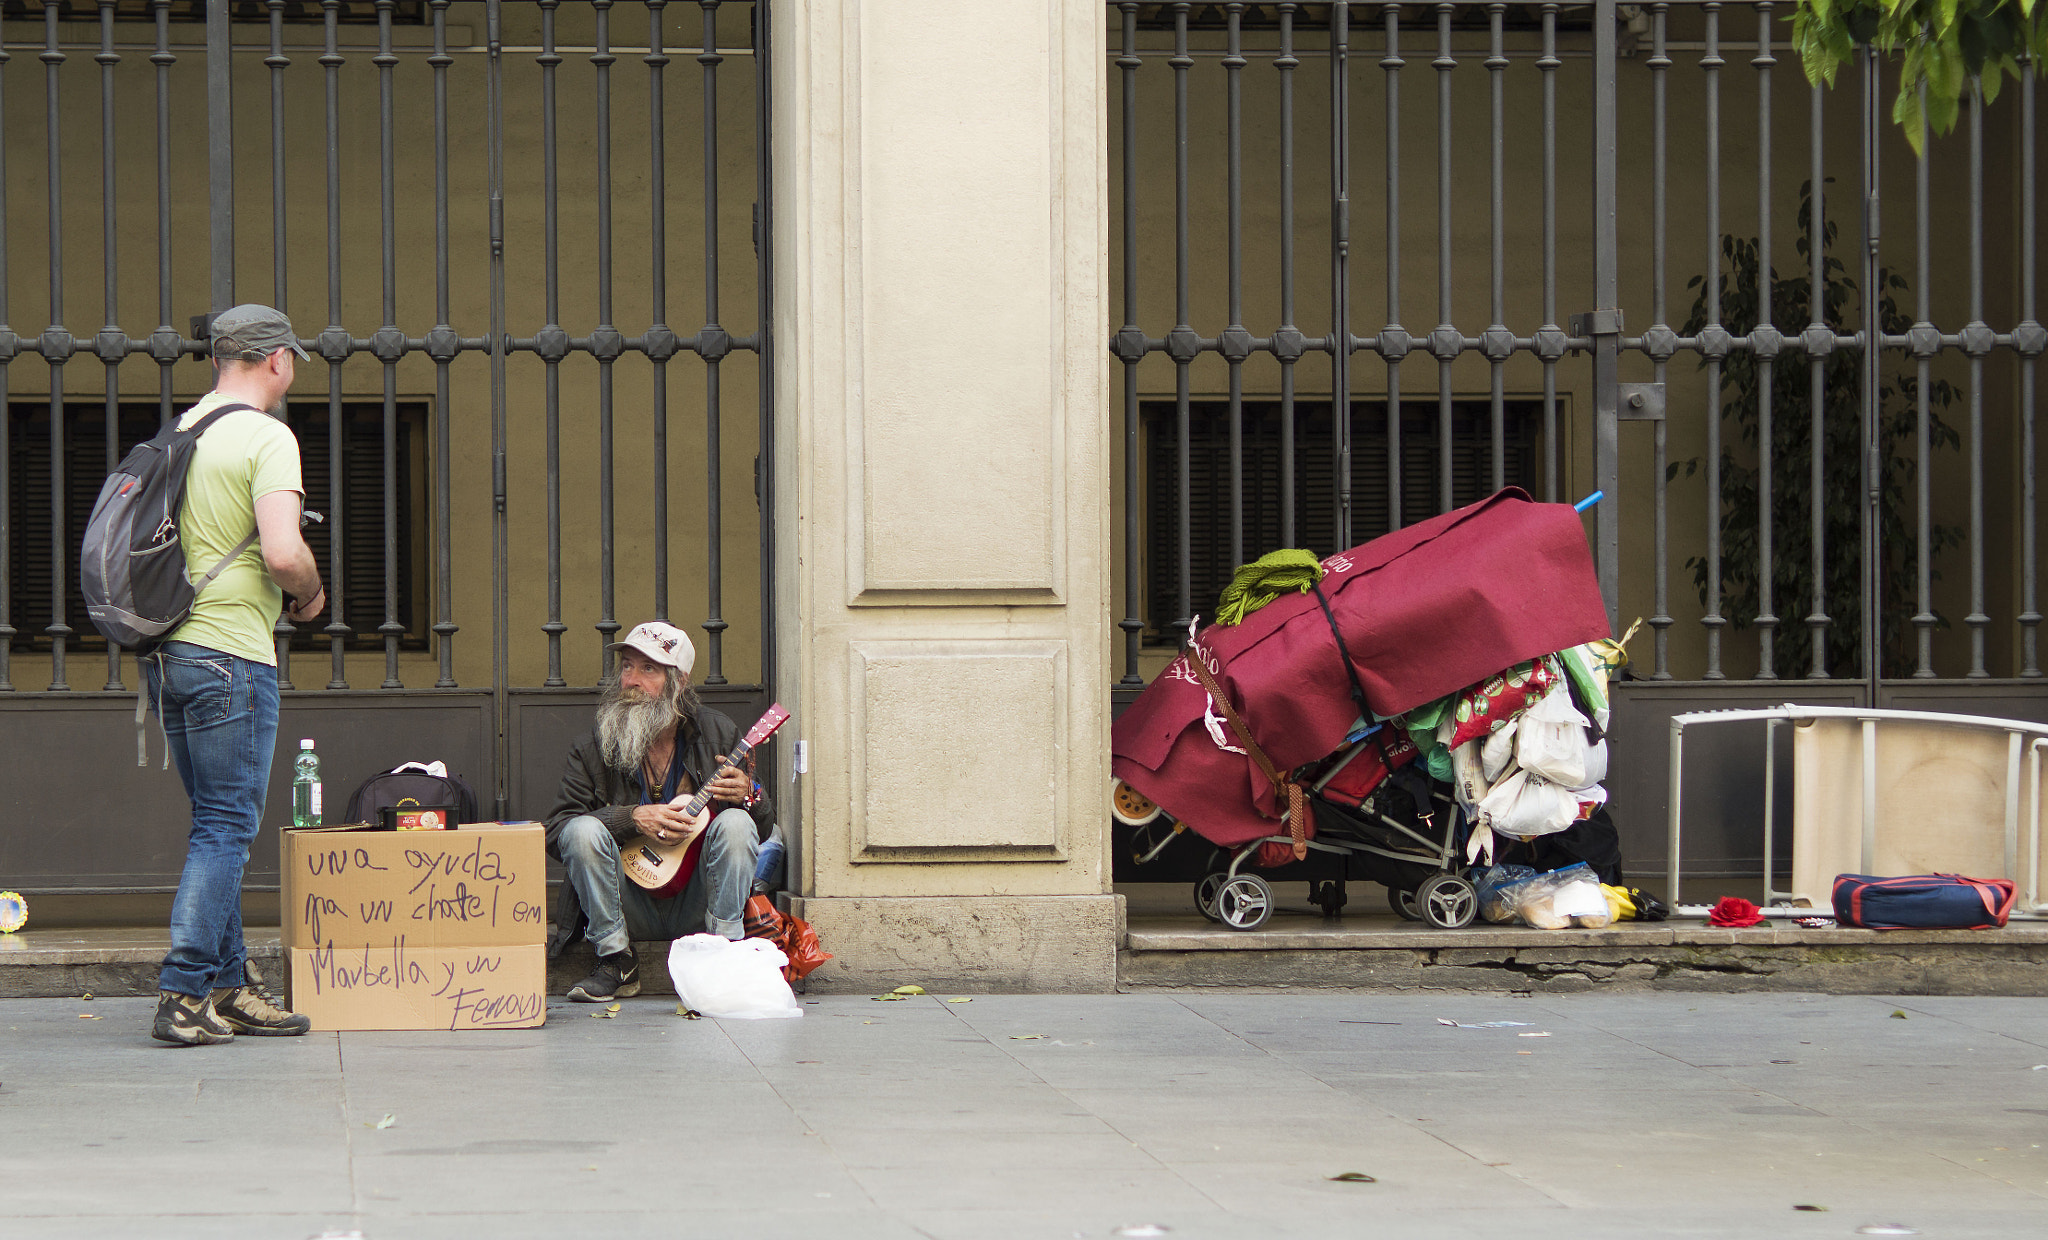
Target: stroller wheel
(1244,902)
(1402,901)
(1205,894)
(1447,902)
(1129,806)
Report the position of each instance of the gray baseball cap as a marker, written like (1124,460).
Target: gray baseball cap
(253,328)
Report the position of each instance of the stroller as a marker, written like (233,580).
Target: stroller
(1375,812)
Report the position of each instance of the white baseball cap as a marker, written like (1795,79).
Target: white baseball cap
(664,643)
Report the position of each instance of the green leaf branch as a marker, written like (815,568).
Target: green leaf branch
(1947,49)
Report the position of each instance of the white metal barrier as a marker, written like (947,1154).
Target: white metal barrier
(2018,732)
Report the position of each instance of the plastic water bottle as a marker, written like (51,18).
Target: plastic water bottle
(306,786)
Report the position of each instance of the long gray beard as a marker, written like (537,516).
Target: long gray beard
(627,729)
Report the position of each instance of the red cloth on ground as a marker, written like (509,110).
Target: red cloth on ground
(1735,912)
(1425,611)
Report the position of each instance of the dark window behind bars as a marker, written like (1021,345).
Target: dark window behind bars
(360,513)
(1314,525)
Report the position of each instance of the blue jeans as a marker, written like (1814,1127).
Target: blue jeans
(713,901)
(220,713)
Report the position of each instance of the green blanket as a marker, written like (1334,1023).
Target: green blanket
(1265,579)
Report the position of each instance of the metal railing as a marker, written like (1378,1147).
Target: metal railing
(480,115)
(1850,493)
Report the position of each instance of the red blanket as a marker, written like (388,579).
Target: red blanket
(1425,611)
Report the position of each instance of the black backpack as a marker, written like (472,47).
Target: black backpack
(132,565)
(410,782)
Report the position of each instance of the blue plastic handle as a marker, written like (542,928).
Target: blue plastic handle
(1589,501)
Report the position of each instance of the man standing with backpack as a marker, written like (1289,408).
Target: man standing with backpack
(213,681)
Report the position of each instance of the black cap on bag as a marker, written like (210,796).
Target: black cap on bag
(253,329)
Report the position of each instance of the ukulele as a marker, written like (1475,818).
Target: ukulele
(650,863)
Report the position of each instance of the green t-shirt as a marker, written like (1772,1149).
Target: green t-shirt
(244,456)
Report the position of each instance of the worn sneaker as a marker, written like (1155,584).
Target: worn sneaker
(247,1009)
(183,1020)
(616,977)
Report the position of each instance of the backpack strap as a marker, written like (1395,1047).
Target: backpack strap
(195,430)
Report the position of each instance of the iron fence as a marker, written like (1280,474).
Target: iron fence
(1805,479)
(454,116)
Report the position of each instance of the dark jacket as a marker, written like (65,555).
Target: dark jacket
(590,786)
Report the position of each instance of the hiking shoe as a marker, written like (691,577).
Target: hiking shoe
(183,1020)
(247,1009)
(616,977)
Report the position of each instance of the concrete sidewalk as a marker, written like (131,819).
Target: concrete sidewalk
(1206,1115)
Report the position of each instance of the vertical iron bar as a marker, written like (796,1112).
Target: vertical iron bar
(1977,619)
(764,282)
(1180,63)
(1606,312)
(1711,63)
(1548,64)
(442,347)
(390,341)
(1393,339)
(165,340)
(2030,612)
(1817,621)
(555,347)
(656,61)
(6,419)
(1496,331)
(1870,519)
(1236,344)
(501,596)
(277,62)
(1764,354)
(712,349)
(1660,72)
(605,345)
(335,345)
(1132,353)
(1285,64)
(1340,268)
(57,346)
(220,155)
(1924,618)
(112,345)
(1444,341)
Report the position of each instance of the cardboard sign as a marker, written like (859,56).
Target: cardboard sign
(399,986)
(475,886)
(416,930)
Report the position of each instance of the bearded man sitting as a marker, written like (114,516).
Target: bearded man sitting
(654,743)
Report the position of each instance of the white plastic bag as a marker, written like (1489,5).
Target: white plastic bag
(1497,752)
(1596,767)
(1551,741)
(740,981)
(1526,804)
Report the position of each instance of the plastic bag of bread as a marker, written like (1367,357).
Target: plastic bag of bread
(1565,898)
(1500,891)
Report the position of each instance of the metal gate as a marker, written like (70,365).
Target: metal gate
(469,211)
(1796,356)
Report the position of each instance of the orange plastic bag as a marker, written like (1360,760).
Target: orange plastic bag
(792,934)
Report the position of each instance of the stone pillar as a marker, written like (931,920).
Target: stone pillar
(943,495)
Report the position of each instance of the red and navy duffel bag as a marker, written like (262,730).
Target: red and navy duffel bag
(1922,902)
